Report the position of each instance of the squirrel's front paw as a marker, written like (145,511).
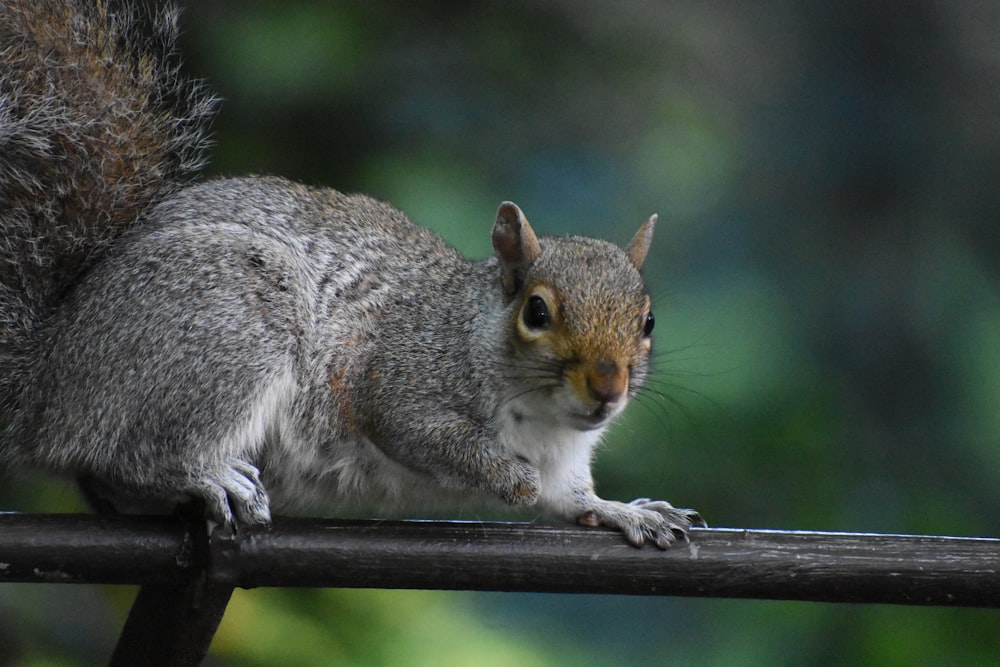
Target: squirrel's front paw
(516,482)
(643,519)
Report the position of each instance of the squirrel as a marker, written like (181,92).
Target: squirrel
(247,341)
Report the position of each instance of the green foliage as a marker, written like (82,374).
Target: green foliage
(365,627)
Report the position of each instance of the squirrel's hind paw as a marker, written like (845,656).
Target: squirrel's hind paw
(644,520)
(234,495)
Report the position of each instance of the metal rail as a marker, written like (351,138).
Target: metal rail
(187,577)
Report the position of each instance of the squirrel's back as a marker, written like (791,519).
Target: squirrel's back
(96,127)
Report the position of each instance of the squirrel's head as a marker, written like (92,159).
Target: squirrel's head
(579,318)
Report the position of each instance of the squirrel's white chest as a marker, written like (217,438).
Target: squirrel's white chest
(561,454)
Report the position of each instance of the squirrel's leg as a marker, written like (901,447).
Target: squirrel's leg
(457,453)
(231,493)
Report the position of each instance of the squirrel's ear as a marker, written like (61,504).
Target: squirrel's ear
(515,244)
(639,245)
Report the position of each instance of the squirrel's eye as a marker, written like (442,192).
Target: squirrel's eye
(536,313)
(648,327)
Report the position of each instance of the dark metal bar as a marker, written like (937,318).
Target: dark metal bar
(94,549)
(831,567)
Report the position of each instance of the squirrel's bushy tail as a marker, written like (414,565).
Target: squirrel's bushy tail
(96,126)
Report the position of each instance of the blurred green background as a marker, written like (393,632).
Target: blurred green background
(826,281)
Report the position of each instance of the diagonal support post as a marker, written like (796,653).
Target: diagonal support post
(172,625)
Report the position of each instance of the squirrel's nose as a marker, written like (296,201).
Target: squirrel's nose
(606,383)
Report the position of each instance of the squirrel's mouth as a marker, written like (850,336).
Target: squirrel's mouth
(597,417)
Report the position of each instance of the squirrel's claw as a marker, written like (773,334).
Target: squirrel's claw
(644,520)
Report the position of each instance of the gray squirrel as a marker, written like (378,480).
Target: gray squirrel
(249,341)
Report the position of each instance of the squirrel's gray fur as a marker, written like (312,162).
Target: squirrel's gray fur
(251,340)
